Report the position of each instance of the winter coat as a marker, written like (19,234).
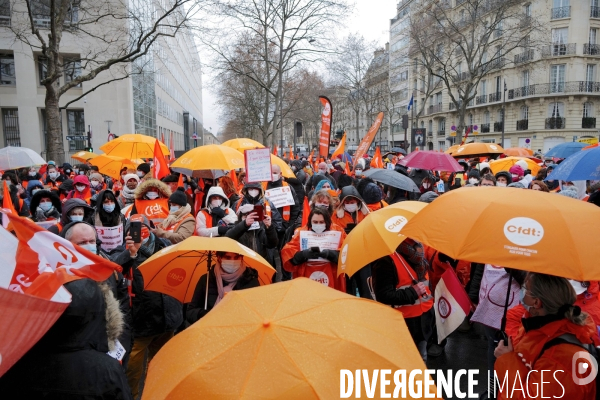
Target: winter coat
(276,219)
(86,194)
(258,240)
(195,309)
(38,215)
(183,231)
(70,361)
(295,210)
(296,184)
(153,313)
(385,280)
(33,184)
(88,214)
(102,218)
(229,218)
(342,217)
(527,356)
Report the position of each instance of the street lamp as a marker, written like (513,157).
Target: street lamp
(503,115)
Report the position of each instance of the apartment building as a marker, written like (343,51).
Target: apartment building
(551,91)
(163,101)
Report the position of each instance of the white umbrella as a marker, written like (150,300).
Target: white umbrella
(19,157)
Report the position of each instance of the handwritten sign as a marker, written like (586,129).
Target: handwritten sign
(281,196)
(258,165)
(111,237)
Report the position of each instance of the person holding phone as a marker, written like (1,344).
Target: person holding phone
(254,231)
(216,218)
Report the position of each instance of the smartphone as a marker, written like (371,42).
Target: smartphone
(457,182)
(315,249)
(135,231)
(260,212)
(349,227)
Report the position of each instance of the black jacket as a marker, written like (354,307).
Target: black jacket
(385,280)
(70,361)
(258,240)
(295,210)
(195,309)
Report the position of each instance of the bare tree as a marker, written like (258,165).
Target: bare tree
(460,45)
(113,33)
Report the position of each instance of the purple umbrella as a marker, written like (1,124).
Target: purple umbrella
(431,160)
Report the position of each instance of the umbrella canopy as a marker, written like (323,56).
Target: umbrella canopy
(112,165)
(518,152)
(591,146)
(398,150)
(431,160)
(83,156)
(132,146)
(391,178)
(283,341)
(177,269)
(286,171)
(242,144)
(376,236)
(452,149)
(564,150)
(19,157)
(209,157)
(504,164)
(523,229)
(581,166)
(478,150)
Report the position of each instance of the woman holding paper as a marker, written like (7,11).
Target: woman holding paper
(314,250)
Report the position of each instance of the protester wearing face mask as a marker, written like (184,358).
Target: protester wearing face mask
(541,344)
(351,210)
(54,178)
(142,171)
(256,235)
(503,179)
(322,200)
(156,316)
(473,177)
(553,185)
(253,193)
(97,182)
(289,213)
(109,222)
(317,264)
(427,185)
(45,206)
(82,189)
(68,170)
(180,223)
(126,195)
(73,210)
(229,273)
(31,175)
(216,217)
(152,200)
(517,173)
(33,187)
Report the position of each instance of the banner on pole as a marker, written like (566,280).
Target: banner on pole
(325,135)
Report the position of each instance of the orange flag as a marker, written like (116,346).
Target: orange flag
(275,150)
(305,211)
(234,178)
(8,204)
(180,181)
(339,150)
(284,155)
(161,169)
(171,148)
(291,153)
(347,169)
(377,161)
(310,158)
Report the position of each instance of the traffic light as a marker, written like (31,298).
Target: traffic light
(90,149)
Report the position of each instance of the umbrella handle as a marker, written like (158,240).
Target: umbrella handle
(503,323)
(207,279)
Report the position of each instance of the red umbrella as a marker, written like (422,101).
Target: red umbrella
(431,160)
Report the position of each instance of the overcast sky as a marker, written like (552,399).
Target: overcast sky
(371,18)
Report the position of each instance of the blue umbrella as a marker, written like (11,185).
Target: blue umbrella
(564,150)
(582,166)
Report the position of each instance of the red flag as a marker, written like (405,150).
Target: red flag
(305,211)
(325,135)
(171,148)
(377,161)
(43,169)
(8,204)
(44,255)
(161,169)
(275,150)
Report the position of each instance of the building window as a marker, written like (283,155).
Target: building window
(470,119)
(42,67)
(10,124)
(4,12)
(524,112)
(7,70)
(593,35)
(484,87)
(486,117)
(430,127)
(588,110)
(527,10)
(556,110)
(72,70)
(76,127)
(40,10)
(442,145)
(557,78)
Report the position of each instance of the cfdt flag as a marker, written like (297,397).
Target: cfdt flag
(161,169)
(452,304)
(365,143)
(326,115)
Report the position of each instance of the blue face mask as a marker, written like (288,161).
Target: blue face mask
(527,307)
(91,247)
(109,207)
(76,218)
(174,209)
(46,205)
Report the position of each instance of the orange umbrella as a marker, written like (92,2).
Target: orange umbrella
(132,146)
(177,269)
(517,228)
(477,150)
(518,152)
(286,171)
(112,165)
(83,156)
(242,144)
(284,341)
(504,164)
(452,149)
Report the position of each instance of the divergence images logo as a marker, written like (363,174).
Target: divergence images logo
(584,368)
(395,224)
(523,231)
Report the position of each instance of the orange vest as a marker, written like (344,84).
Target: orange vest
(175,226)
(208,217)
(156,210)
(286,213)
(406,278)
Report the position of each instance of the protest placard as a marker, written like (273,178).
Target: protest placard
(258,165)
(281,196)
(111,237)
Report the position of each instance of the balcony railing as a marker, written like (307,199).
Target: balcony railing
(442,132)
(588,123)
(485,128)
(591,49)
(498,126)
(434,109)
(522,125)
(524,57)
(556,87)
(481,99)
(462,76)
(561,12)
(559,49)
(494,97)
(595,12)
(555,123)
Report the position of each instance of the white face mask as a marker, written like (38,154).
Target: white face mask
(95,184)
(152,195)
(515,177)
(473,181)
(32,173)
(174,209)
(275,177)
(216,203)
(231,266)
(80,188)
(426,186)
(358,172)
(253,192)
(53,175)
(501,184)
(351,207)
(141,174)
(318,228)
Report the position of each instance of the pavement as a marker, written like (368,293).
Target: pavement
(464,351)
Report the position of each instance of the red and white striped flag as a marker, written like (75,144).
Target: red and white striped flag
(452,304)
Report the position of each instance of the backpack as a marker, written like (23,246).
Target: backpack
(569,338)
